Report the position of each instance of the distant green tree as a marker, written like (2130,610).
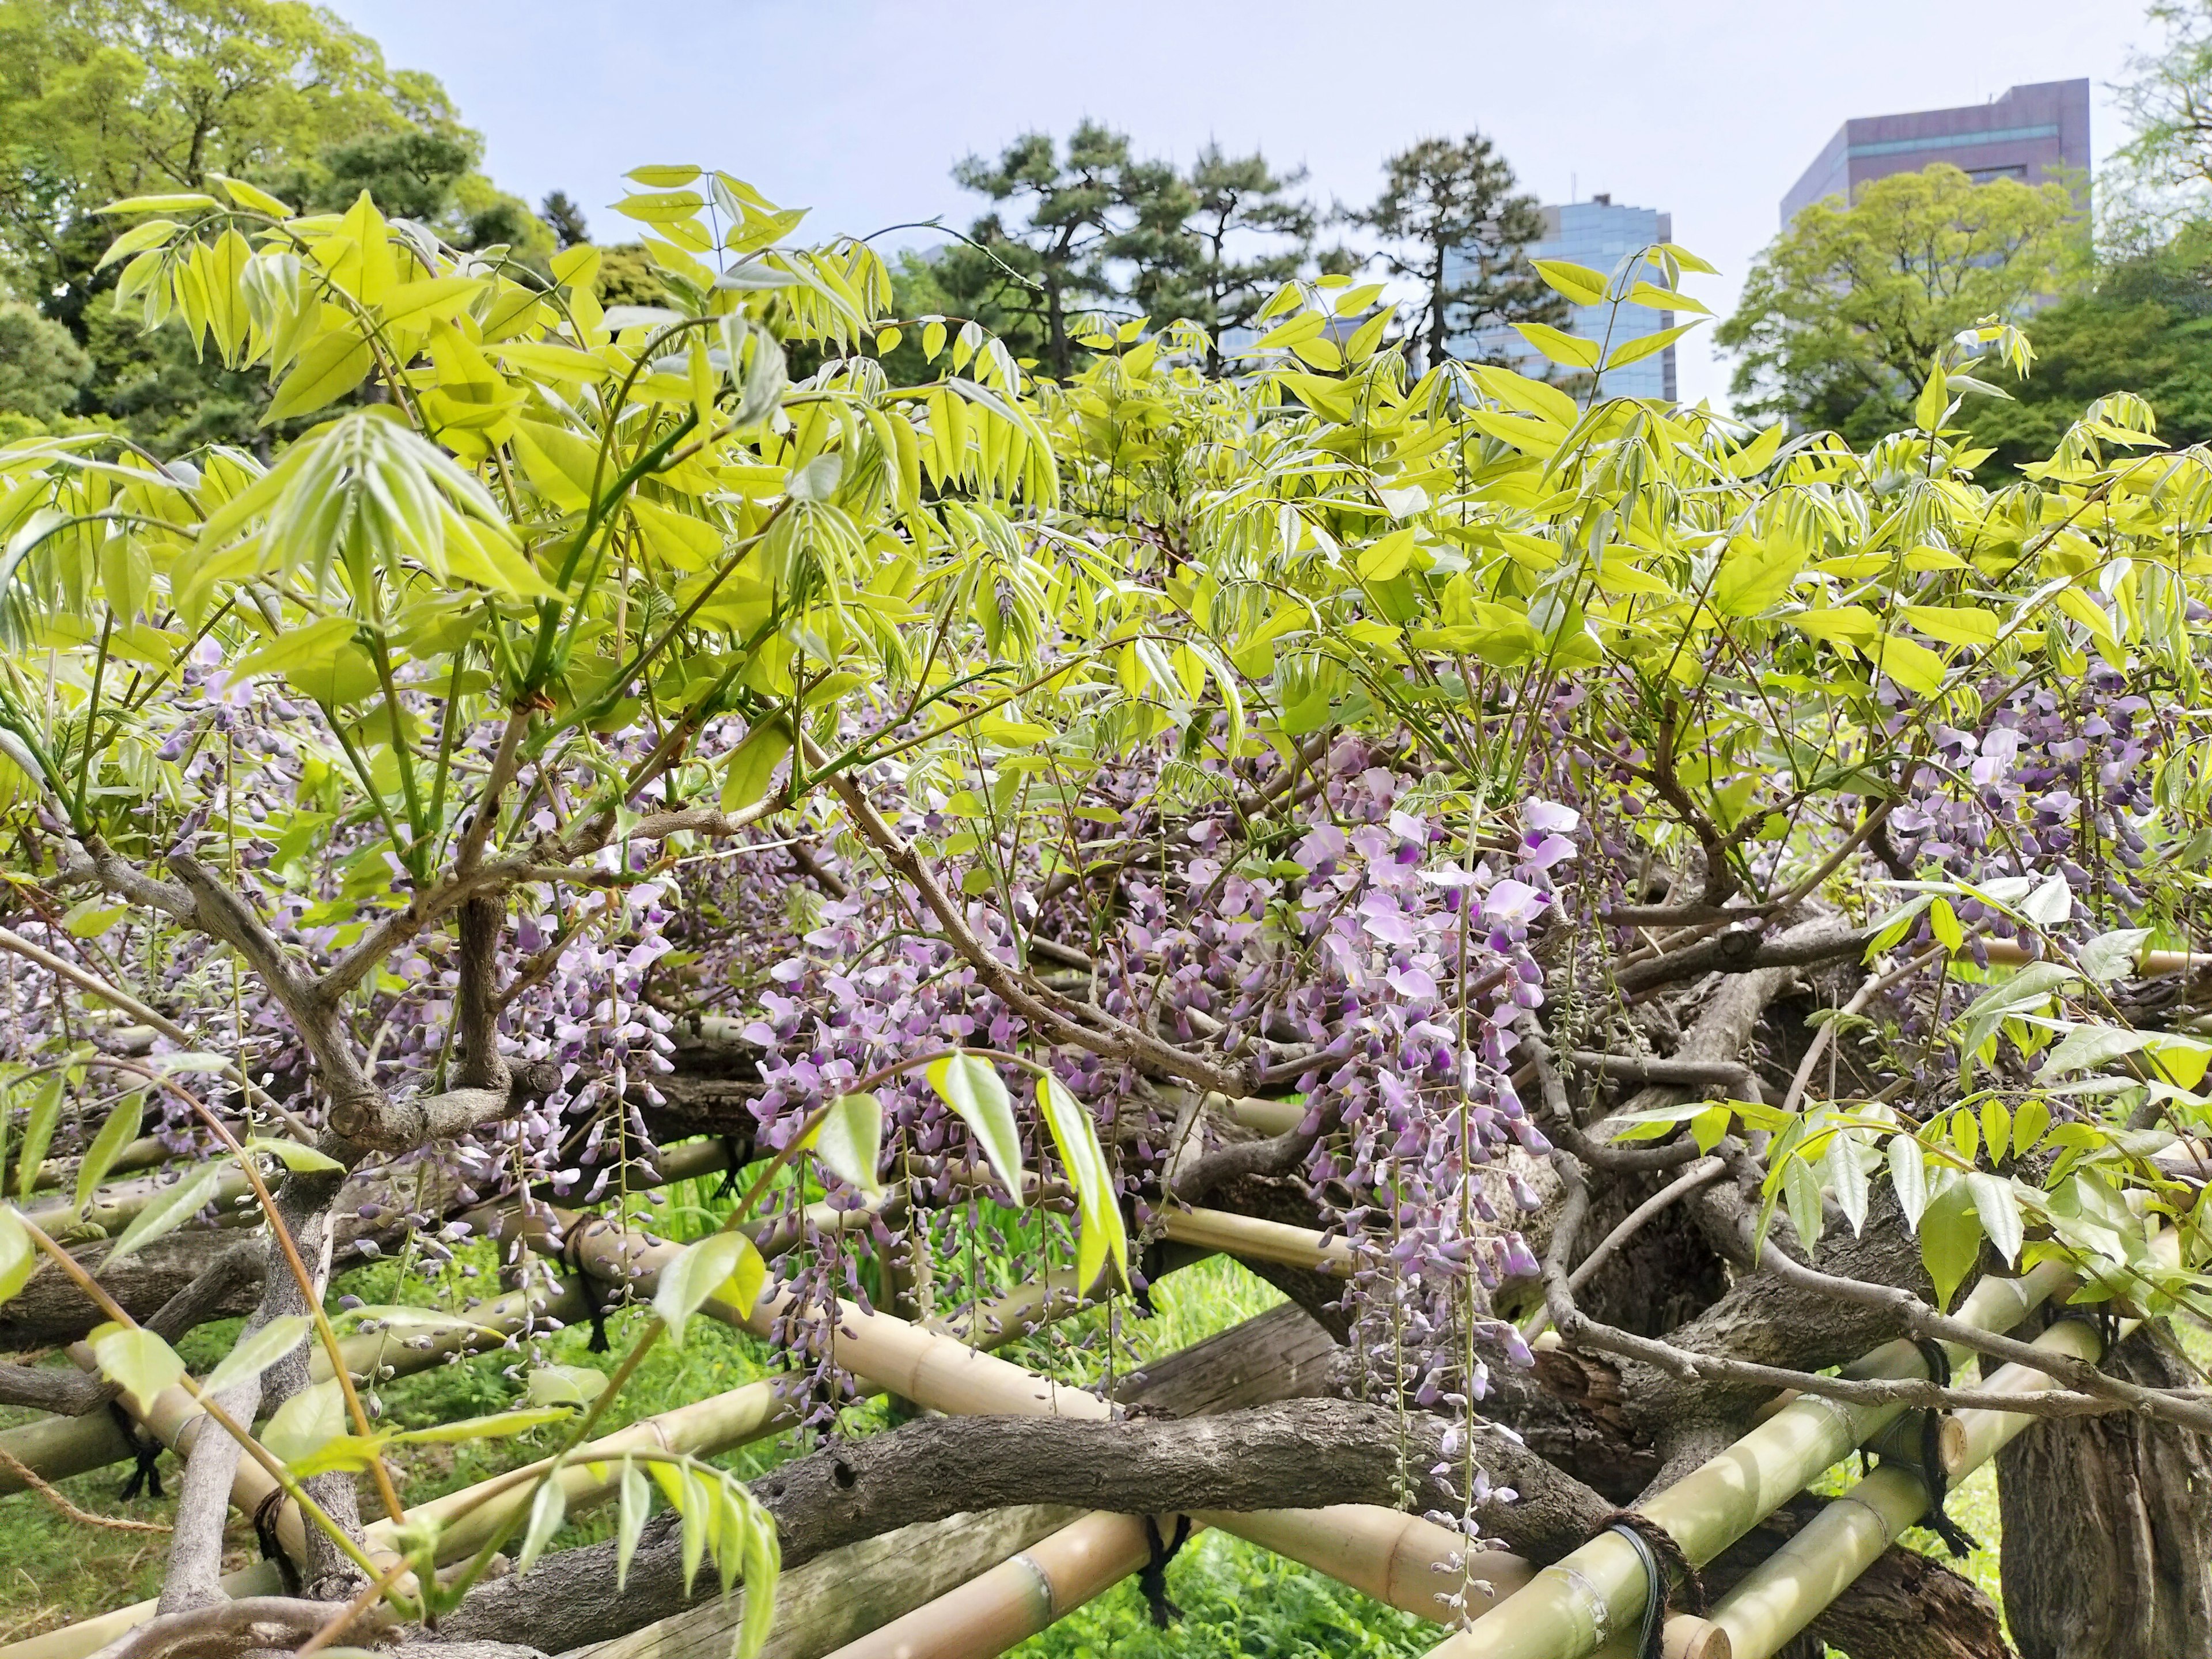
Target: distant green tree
(564,219)
(1216,248)
(105,99)
(42,366)
(430,177)
(1843,312)
(102,99)
(2147,329)
(627,276)
(1094,229)
(2161,177)
(1078,212)
(1451,221)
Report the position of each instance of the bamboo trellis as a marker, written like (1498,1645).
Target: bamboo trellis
(1583,1605)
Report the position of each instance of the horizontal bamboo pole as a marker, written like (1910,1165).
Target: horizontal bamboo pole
(1405,1561)
(1269,1117)
(1788,1590)
(842,1596)
(147,1152)
(114,1208)
(1397,1557)
(1024,1594)
(1573,1606)
(2149,964)
(55,1448)
(703,1428)
(1250,1235)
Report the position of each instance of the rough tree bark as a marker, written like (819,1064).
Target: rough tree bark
(2108,1527)
(1296,1454)
(195,1568)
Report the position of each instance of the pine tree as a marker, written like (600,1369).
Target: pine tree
(1451,221)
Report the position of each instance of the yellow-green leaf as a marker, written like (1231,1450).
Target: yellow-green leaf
(1387,557)
(1645,345)
(1581,285)
(432,296)
(1753,576)
(1913,666)
(752,764)
(138,1359)
(327,370)
(1954,624)
(559,463)
(1570,350)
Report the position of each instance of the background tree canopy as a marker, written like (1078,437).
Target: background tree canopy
(1842,315)
(102,99)
(1105,234)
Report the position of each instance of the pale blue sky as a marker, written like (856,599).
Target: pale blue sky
(858,108)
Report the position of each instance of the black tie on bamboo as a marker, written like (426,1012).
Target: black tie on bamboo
(145,1449)
(1152,1577)
(1933,1474)
(595,1300)
(264,1533)
(1664,1563)
(733,1153)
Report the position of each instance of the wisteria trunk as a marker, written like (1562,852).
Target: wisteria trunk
(2108,1527)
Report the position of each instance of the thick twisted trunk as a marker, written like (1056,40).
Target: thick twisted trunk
(1296,1454)
(2108,1527)
(195,1567)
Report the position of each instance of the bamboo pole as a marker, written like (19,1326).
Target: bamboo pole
(2149,964)
(1021,1597)
(1250,1235)
(55,1448)
(1018,1597)
(1570,1608)
(840,1596)
(1788,1590)
(147,1152)
(114,1208)
(58,1447)
(1399,1557)
(1405,1561)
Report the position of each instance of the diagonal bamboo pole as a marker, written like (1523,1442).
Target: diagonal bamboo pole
(58,1447)
(840,1596)
(1788,1590)
(1399,1557)
(1018,1597)
(1574,1605)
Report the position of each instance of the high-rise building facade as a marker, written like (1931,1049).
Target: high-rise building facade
(2034,133)
(1598,234)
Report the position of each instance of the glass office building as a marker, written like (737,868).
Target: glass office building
(2036,133)
(1598,234)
